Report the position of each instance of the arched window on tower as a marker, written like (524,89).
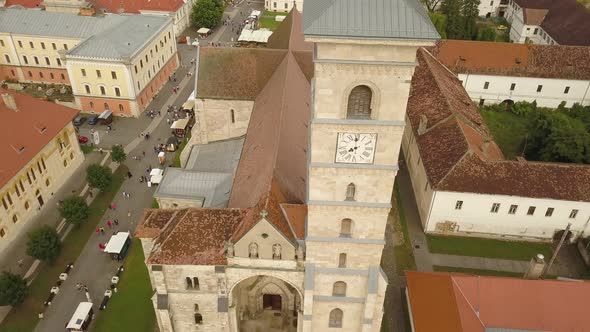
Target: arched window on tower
(359,103)
(336,318)
(350,192)
(342,260)
(198,316)
(346,227)
(339,288)
(196,283)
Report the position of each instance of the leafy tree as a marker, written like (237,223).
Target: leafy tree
(581,113)
(470,11)
(431,5)
(99,177)
(74,209)
(440,23)
(455,26)
(118,154)
(207,13)
(486,34)
(13,289)
(43,243)
(557,137)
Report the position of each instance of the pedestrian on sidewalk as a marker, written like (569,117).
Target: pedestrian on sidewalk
(129,174)
(110,224)
(116,221)
(124,195)
(101,246)
(128,195)
(97,231)
(128,213)
(102,231)
(113,206)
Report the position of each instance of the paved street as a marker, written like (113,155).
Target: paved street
(93,267)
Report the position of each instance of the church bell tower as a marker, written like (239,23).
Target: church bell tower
(364,58)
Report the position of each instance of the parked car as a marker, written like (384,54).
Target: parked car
(93,120)
(82,139)
(79,120)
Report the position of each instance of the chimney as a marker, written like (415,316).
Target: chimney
(9,101)
(536,267)
(423,124)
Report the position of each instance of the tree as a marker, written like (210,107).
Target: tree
(43,243)
(207,13)
(440,23)
(431,5)
(74,209)
(486,34)
(99,177)
(455,26)
(469,12)
(118,154)
(13,289)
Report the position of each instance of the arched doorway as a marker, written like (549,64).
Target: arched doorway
(558,234)
(265,303)
(507,103)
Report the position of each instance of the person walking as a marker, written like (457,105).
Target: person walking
(110,224)
(116,221)
(102,230)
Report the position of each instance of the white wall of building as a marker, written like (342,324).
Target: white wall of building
(282,5)
(521,32)
(475,215)
(553,91)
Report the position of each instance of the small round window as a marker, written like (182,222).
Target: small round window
(264,235)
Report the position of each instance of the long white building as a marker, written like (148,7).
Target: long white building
(492,73)
(461,181)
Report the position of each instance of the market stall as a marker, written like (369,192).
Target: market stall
(118,245)
(179,127)
(156,176)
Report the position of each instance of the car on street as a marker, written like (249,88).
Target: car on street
(82,139)
(93,120)
(79,120)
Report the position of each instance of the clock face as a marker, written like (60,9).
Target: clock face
(355,148)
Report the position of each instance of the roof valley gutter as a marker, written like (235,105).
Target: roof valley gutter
(197,60)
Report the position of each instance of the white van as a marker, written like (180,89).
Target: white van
(81,318)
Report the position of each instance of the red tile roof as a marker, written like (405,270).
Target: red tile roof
(24,133)
(189,236)
(459,153)
(296,214)
(454,302)
(567,21)
(547,61)
(534,16)
(24,3)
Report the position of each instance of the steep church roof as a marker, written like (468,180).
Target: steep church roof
(458,151)
(405,19)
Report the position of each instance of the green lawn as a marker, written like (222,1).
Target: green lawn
(471,246)
(24,317)
(508,129)
(438,268)
(176,161)
(267,20)
(131,308)
(404,256)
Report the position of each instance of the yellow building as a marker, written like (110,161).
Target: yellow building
(112,62)
(40,152)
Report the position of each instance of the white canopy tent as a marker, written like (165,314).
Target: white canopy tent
(116,243)
(259,36)
(179,124)
(203,31)
(255,14)
(156,175)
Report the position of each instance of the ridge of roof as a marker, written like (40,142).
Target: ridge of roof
(288,35)
(461,156)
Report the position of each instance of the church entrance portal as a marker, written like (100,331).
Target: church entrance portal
(265,303)
(271,302)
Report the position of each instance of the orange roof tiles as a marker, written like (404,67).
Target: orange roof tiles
(296,214)
(455,302)
(528,60)
(32,127)
(24,3)
(459,153)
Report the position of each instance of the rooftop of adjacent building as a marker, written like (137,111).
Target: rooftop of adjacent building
(116,7)
(458,302)
(108,36)
(27,125)
(566,21)
(459,153)
(508,59)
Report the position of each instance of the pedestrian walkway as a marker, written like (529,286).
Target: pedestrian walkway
(426,260)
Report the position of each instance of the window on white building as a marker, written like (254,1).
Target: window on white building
(549,212)
(274,5)
(482,102)
(7,58)
(486,85)
(512,86)
(512,209)
(495,208)
(117,92)
(536,31)
(36,60)
(102,90)
(531,211)
(31,44)
(573,214)
(539,88)
(458,205)
(47,61)
(567,90)
(196,283)
(189,283)
(87,88)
